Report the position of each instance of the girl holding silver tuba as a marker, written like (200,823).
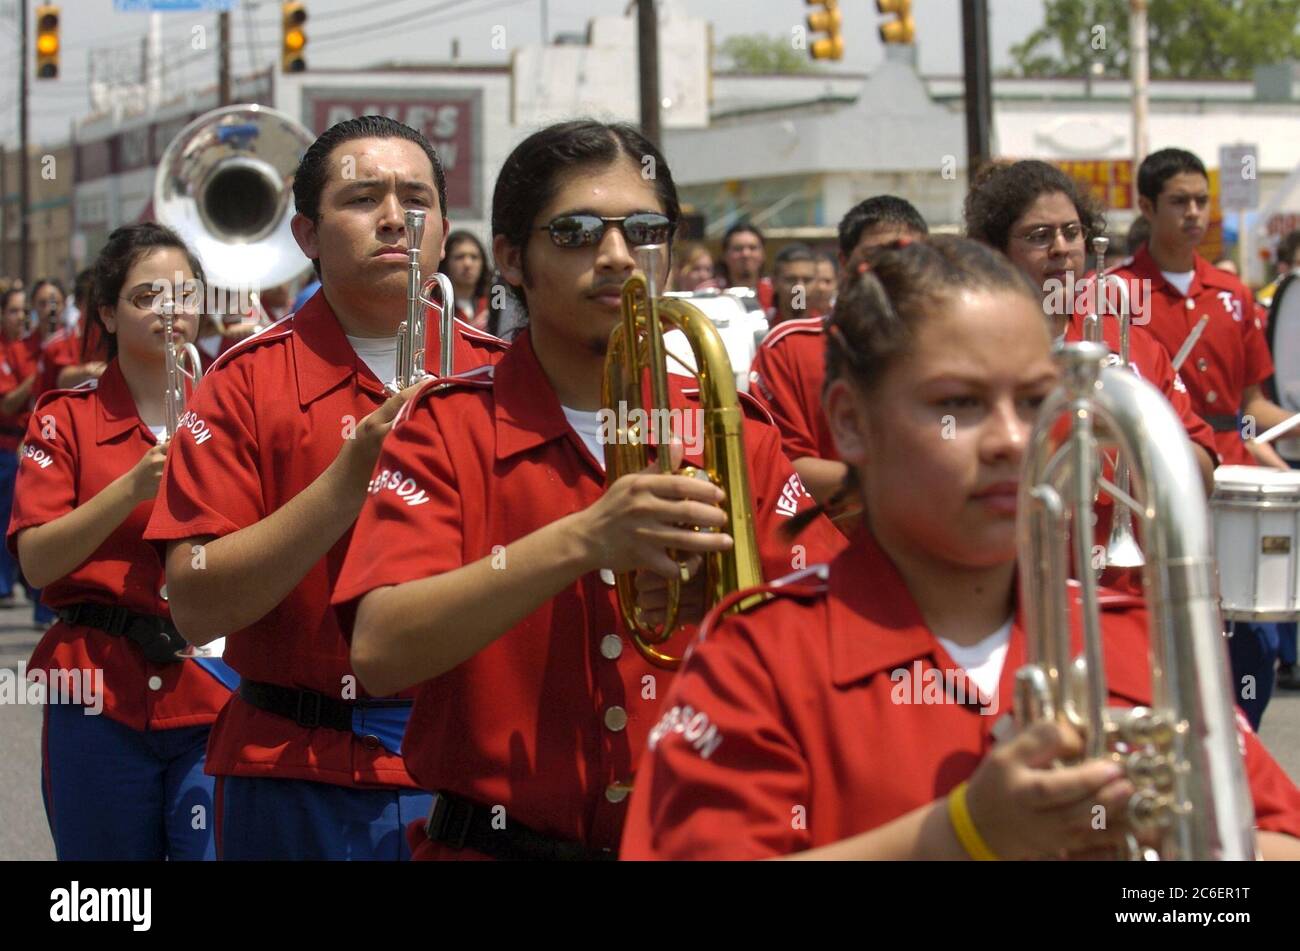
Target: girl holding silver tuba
(861,711)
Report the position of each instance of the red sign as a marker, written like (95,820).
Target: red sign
(1109,180)
(451,119)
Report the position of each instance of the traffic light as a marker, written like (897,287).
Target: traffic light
(47,41)
(902,30)
(826,20)
(293,16)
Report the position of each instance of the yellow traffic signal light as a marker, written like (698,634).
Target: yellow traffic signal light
(902,30)
(47,41)
(826,20)
(293,16)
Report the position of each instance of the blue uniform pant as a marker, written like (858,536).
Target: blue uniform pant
(9,573)
(1253,650)
(261,819)
(114,793)
(1286,642)
(8,477)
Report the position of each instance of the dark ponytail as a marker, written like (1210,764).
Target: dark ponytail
(876,317)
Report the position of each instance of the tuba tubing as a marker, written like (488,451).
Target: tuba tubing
(1183,752)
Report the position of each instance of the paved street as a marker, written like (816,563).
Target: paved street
(24,835)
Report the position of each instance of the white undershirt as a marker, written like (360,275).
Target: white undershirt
(1180,279)
(378,353)
(586,423)
(982,661)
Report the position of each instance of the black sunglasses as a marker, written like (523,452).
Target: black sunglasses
(580,231)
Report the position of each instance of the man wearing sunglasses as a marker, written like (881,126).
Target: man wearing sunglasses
(262,485)
(482,567)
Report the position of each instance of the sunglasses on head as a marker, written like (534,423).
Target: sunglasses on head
(580,231)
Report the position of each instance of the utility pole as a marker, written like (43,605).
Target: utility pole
(24,180)
(647,23)
(978,97)
(1137,31)
(224,96)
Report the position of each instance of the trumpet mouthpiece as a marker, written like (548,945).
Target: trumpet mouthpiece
(414,228)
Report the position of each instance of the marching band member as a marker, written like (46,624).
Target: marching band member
(694,270)
(261,489)
(72,355)
(481,566)
(793,274)
(466,265)
(821,291)
(789,368)
(128,784)
(789,730)
(1227,365)
(1036,215)
(743,258)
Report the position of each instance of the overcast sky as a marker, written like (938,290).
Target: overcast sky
(350,33)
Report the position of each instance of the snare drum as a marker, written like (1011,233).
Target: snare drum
(1256,535)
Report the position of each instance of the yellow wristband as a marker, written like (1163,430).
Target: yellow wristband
(964,826)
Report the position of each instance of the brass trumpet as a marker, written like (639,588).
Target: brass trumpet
(636,347)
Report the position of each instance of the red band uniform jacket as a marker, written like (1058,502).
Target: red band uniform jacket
(828,712)
(78,442)
(1231,354)
(266,422)
(549,719)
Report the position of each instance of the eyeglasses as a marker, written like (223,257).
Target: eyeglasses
(1045,236)
(156,301)
(580,231)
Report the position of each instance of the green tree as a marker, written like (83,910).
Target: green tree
(1188,39)
(760,53)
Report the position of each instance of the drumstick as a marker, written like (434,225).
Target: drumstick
(1190,342)
(1283,427)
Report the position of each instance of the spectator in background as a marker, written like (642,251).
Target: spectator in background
(466,264)
(695,272)
(743,258)
(794,273)
(821,292)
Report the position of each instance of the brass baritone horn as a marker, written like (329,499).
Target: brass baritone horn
(184,371)
(412,332)
(637,345)
(1181,753)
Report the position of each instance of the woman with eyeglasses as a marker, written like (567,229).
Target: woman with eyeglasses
(1037,216)
(127,718)
(481,569)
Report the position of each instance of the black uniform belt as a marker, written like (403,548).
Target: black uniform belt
(1221,422)
(457,823)
(156,636)
(308,708)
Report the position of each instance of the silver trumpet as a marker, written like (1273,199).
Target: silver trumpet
(184,371)
(412,331)
(1182,753)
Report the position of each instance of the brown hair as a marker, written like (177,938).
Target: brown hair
(876,317)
